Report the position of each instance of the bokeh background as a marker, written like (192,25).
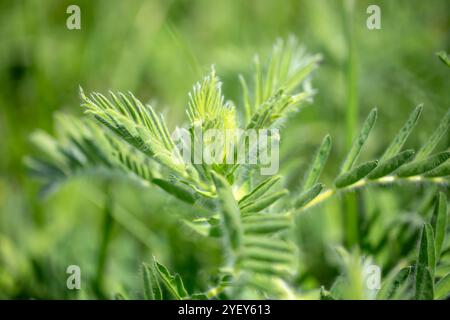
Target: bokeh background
(158,50)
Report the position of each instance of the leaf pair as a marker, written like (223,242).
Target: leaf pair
(424,163)
(258,199)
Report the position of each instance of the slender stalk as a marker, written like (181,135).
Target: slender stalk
(106,231)
(325,195)
(351,75)
(349,210)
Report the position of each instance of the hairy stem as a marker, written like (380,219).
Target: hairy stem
(328,193)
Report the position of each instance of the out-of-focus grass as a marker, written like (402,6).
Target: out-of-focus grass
(157,49)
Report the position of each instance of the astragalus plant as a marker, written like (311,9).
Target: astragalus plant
(252,215)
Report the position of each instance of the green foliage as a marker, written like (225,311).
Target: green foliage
(443,288)
(158,280)
(230,211)
(400,139)
(444,57)
(395,287)
(392,164)
(358,143)
(309,195)
(136,124)
(254,223)
(356,174)
(272,95)
(426,264)
(318,164)
(439,222)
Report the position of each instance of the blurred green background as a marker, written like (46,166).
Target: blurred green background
(158,50)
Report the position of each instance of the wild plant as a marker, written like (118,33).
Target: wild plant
(250,214)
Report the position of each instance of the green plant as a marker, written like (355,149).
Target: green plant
(252,216)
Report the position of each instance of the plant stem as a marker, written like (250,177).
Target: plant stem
(328,193)
(106,230)
(349,209)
